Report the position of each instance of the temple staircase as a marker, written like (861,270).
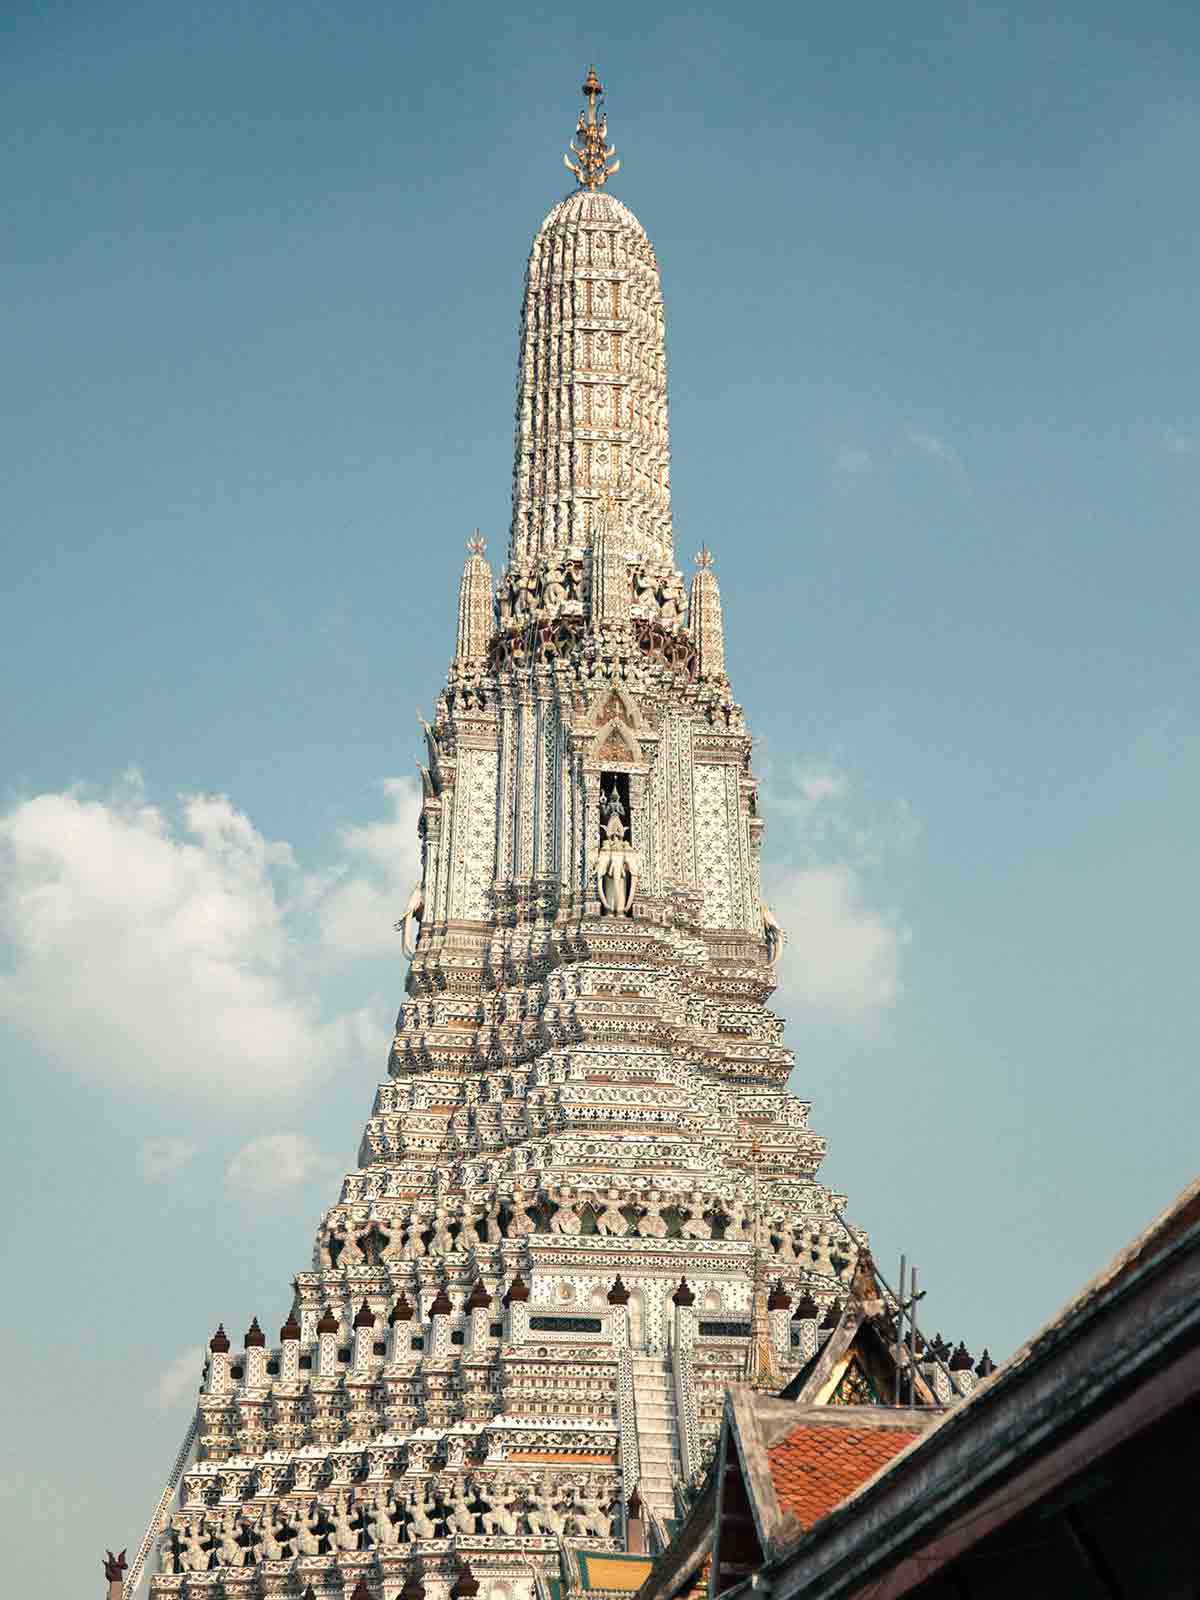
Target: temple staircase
(658,1433)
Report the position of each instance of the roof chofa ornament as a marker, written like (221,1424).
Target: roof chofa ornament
(594,155)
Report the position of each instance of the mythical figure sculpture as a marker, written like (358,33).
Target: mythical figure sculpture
(326,1239)
(384,1532)
(494,1231)
(229,1552)
(193,1557)
(468,1234)
(414,1244)
(345,1535)
(564,1219)
(611,1220)
(786,1248)
(442,1242)
(308,1531)
(523,590)
(274,1534)
(618,867)
(612,812)
(392,1229)
(421,1511)
(544,1515)
(592,1516)
(670,606)
(737,1220)
(553,591)
(652,1224)
(500,1517)
(461,1517)
(693,1225)
(773,934)
(520,1223)
(414,913)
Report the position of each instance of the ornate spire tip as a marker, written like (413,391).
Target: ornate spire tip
(593,165)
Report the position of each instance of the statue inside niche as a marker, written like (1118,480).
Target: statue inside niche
(494,1231)
(611,1220)
(692,1224)
(612,811)
(785,1248)
(669,606)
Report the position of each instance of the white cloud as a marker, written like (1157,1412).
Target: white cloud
(181,1377)
(851,461)
(190,945)
(160,1157)
(276,1162)
(358,914)
(817,784)
(937,449)
(844,955)
(1180,444)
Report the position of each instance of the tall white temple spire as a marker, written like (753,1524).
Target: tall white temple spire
(525,1300)
(592,386)
(474,605)
(704,619)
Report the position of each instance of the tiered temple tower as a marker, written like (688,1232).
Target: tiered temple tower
(584,1171)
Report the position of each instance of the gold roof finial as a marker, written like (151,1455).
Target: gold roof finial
(594,154)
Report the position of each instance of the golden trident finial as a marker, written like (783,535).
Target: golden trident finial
(592,159)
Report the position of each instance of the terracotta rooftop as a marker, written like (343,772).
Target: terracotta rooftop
(818,1464)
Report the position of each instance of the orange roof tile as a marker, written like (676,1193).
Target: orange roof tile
(818,1464)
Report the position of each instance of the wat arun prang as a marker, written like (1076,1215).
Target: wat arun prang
(585,1202)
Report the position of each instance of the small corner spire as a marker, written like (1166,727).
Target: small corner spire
(593,165)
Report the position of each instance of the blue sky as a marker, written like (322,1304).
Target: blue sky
(930,277)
